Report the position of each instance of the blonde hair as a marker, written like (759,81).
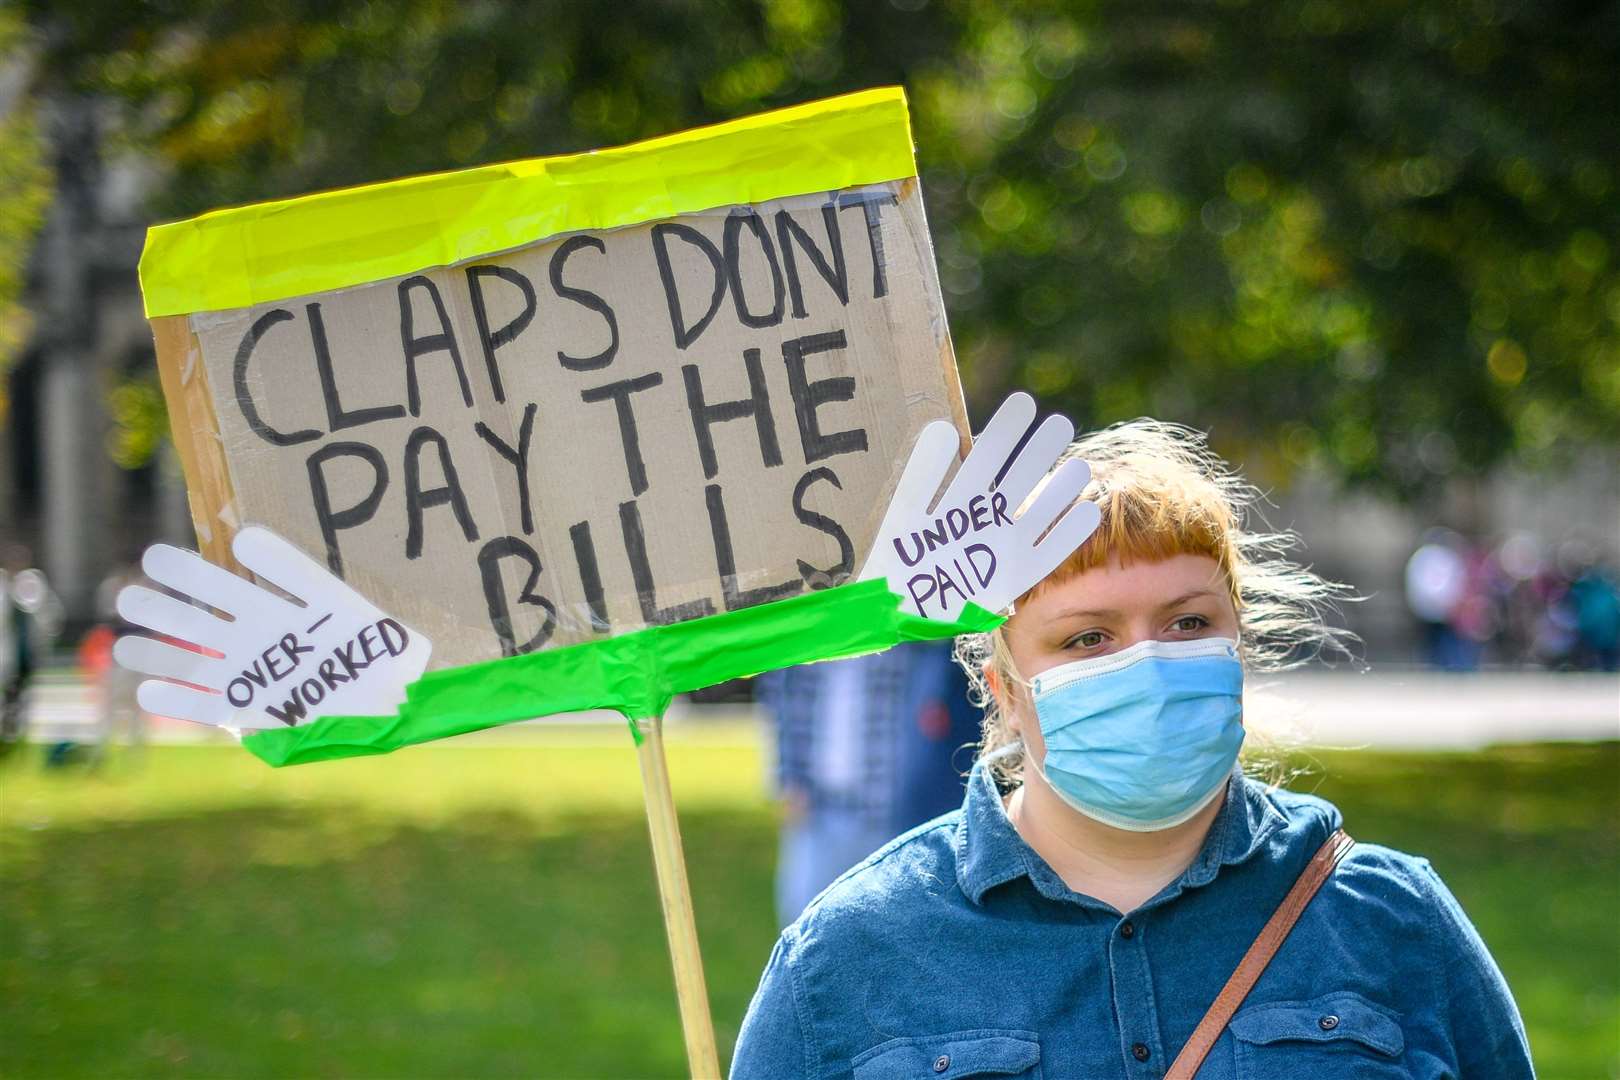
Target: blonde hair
(1163,492)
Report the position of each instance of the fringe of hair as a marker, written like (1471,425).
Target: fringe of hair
(1163,492)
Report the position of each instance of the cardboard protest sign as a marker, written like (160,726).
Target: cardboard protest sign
(580,409)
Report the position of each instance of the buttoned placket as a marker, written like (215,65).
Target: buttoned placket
(1142,1051)
(1130,974)
(1131,979)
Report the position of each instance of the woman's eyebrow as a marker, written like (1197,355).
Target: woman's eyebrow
(1111,613)
(1195,594)
(1090,613)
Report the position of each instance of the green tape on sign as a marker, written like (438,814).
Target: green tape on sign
(636,674)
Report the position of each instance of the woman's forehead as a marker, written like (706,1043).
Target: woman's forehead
(1126,588)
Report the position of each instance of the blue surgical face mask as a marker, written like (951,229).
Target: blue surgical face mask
(1144,738)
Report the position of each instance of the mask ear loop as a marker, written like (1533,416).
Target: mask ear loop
(1001,752)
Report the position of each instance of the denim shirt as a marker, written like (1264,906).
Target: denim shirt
(956,951)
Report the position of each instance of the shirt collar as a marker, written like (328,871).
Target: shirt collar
(989,851)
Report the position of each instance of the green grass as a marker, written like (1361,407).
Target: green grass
(479,910)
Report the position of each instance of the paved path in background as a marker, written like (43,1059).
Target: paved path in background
(1424,709)
(1384,709)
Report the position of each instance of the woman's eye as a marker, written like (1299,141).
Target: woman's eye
(1088,640)
(1190,624)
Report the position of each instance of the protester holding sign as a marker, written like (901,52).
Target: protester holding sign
(1110,898)
(593,430)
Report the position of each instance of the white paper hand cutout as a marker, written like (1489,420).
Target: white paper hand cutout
(281,663)
(973,544)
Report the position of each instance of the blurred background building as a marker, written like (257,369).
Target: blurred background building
(83,493)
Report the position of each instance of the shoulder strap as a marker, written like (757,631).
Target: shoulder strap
(1259,955)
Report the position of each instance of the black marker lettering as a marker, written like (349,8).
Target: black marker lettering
(584,298)
(418,500)
(725,560)
(947,582)
(492,340)
(872,204)
(835,274)
(635,546)
(685,335)
(332,521)
(620,393)
(443,341)
(590,576)
(244,396)
(809,395)
(838,573)
(337,417)
(735,224)
(500,613)
(290,646)
(518,458)
(757,404)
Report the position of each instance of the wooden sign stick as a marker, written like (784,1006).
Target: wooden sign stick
(675,896)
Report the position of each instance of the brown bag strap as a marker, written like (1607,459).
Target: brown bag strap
(1259,955)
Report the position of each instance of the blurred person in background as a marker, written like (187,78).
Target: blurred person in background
(1593,598)
(30,618)
(863,749)
(936,754)
(1515,605)
(1436,580)
(117,711)
(1474,619)
(1522,592)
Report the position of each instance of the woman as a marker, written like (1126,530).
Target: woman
(1111,866)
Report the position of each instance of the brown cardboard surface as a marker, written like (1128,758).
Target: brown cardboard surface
(630,518)
(196,436)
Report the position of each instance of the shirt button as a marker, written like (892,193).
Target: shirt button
(1126,929)
(1140,1052)
(942,1063)
(1328,1022)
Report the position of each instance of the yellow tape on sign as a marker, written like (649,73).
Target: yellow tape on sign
(275,250)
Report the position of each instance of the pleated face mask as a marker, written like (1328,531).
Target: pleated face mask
(1144,738)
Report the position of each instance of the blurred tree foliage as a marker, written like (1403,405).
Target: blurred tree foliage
(1376,238)
(24,194)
